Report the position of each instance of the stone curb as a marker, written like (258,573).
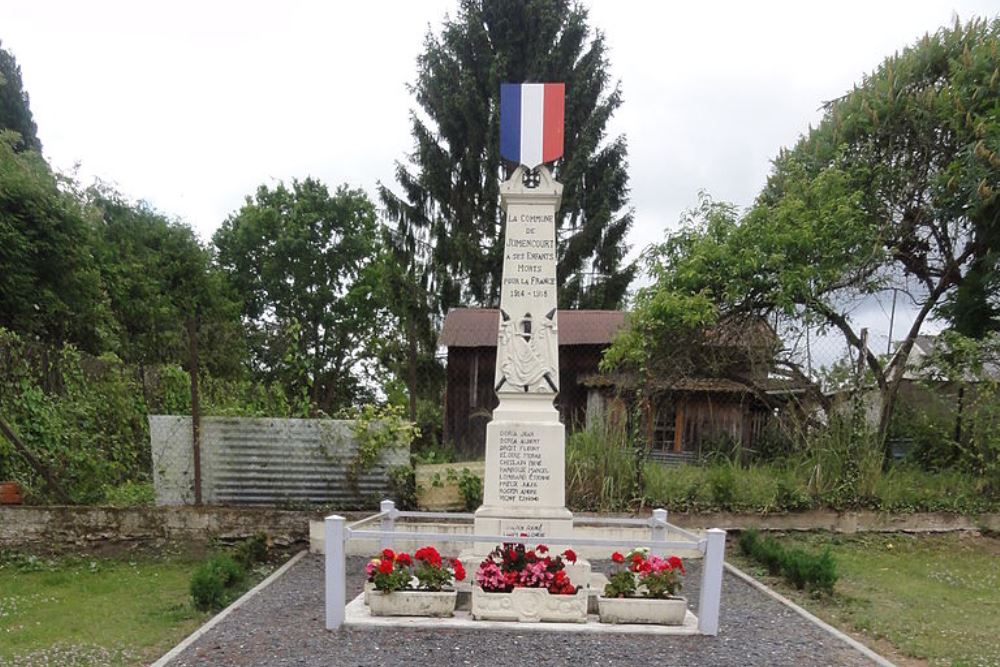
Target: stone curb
(853,643)
(218,618)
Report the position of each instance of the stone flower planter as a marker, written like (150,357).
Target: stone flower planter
(529,605)
(412,603)
(669,611)
(369,587)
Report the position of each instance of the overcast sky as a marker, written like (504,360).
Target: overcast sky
(191,105)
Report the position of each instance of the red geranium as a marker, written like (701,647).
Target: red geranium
(403,558)
(617,557)
(388,553)
(542,549)
(428,555)
(570,555)
(385,566)
(676,564)
(458,569)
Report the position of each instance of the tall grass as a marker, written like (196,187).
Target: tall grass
(601,468)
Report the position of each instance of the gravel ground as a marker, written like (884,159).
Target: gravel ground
(283,625)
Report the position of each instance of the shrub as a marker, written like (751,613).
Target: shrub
(798,567)
(470,485)
(403,486)
(212,580)
(130,494)
(251,551)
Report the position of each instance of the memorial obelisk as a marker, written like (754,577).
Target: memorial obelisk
(524,489)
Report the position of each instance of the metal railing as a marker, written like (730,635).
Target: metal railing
(337,532)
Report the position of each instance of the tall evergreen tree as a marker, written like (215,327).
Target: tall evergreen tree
(450,185)
(15,111)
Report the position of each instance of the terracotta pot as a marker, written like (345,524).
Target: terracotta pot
(10,493)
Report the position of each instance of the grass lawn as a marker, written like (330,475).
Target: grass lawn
(934,598)
(71,611)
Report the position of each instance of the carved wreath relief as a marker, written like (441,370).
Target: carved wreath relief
(527,350)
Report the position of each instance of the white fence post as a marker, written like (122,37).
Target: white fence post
(711,582)
(658,533)
(334,534)
(388,523)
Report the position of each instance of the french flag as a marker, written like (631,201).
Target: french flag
(531,122)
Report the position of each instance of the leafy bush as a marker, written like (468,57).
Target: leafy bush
(470,485)
(251,551)
(212,581)
(403,487)
(130,494)
(799,568)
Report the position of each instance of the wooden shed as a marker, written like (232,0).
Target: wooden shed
(470,335)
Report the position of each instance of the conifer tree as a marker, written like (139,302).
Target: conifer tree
(15,111)
(449,186)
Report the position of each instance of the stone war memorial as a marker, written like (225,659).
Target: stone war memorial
(523,519)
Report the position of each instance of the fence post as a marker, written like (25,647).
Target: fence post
(388,523)
(711,582)
(335,573)
(658,533)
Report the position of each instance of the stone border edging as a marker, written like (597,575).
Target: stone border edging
(853,643)
(215,620)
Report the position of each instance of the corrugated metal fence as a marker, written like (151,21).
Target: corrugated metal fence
(249,461)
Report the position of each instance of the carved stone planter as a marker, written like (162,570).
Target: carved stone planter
(670,611)
(529,605)
(412,603)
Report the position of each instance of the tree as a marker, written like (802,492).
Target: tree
(15,110)
(158,277)
(450,188)
(50,286)
(898,184)
(303,260)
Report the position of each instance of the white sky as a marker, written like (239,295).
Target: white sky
(192,105)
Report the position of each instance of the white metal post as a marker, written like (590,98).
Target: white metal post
(711,582)
(659,530)
(388,522)
(334,532)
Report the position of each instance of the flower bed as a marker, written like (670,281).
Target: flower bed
(642,590)
(420,585)
(514,583)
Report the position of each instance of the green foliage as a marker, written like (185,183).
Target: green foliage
(403,487)
(620,584)
(470,486)
(213,581)
(130,493)
(89,433)
(601,468)
(251,551)
(377,429)
(396,579)
(899,178)
(436,453)
(456,213)
(158,277)
(800,568)
(303,262)
(15,109)
(50,286)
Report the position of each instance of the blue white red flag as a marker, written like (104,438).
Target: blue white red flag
(531,122)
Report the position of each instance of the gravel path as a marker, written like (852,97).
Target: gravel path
(283,625)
